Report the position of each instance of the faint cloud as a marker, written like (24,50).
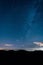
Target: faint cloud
(38,43)
(8,45)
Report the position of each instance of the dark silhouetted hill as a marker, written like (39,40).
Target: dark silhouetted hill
(21,56)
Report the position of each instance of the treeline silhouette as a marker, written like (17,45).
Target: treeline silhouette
(22,52)
(21,56)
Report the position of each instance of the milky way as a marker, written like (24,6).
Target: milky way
(21,22)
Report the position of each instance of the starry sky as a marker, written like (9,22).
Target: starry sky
(21,22)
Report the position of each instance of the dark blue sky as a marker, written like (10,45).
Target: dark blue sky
(21,21)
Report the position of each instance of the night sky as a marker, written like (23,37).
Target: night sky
(21,22)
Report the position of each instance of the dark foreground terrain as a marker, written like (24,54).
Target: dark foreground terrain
(21,56)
